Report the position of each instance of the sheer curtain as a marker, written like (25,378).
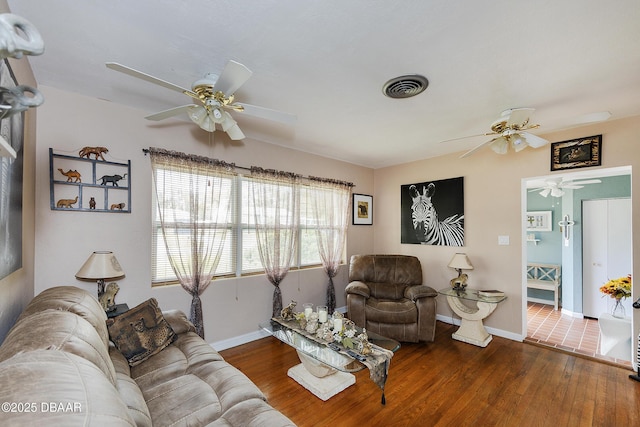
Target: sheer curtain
(330,201)
(274,207)
(194,205)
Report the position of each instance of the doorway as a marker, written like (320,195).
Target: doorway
(563,245)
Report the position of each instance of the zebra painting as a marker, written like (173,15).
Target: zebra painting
(420,216)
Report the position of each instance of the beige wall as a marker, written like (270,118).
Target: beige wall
(232,307)
(494,207)
(17,289)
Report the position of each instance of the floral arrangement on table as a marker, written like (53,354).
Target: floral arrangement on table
(617,288)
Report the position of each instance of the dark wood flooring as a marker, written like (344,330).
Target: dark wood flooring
(450,383)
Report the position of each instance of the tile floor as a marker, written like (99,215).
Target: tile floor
(549,327)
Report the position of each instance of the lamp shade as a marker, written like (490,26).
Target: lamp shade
(100,265)
(460,262)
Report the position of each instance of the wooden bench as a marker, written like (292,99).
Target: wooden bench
(545,277)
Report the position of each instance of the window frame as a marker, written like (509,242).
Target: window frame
(236,231)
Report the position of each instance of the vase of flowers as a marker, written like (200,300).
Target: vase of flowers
(618,289)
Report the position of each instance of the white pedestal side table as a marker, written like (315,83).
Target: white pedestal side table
(615,336)
(471,330)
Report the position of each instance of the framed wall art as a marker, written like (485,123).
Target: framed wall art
(432,212)
(362,209)
(539,221)
(576,153)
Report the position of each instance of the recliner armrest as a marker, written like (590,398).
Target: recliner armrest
(421,291)
(358,288)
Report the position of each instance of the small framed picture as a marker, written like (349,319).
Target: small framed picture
(539,221)
(362,209)
(576,153)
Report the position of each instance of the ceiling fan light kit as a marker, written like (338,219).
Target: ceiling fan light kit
(511,128)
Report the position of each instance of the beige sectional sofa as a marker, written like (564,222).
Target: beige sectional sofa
(58,367)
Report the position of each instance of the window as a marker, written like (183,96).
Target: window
(240,254)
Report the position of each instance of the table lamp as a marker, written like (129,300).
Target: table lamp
(100,266)
(460,262)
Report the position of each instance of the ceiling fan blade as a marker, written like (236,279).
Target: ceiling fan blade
(469,136)
(545,192)
(533,141)
(269,114)
(473,150)
(234,132)
(584,182)
(519,116)
(232,77)
(149,78)
(170,112)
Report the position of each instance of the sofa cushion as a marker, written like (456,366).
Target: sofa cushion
(75,300)
(59,330)
(191,367)
(129,390)
(66,389)
(252,413)
(140,332)
(183,400)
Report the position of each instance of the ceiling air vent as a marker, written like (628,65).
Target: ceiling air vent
(405,86)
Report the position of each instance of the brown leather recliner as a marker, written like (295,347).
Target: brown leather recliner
(385,295)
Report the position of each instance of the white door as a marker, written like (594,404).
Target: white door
(606,251)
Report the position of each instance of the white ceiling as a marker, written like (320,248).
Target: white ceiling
(326,62)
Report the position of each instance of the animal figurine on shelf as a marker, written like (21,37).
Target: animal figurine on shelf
(96,151)
(108,297)
(67,203)
(117,206)
(92,203)
(287,313)
(72,175)
(113,179)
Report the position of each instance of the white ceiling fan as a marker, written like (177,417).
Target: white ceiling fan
(216,96)
(556,188)
(510,130)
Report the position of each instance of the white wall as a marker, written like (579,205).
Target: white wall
(64,240)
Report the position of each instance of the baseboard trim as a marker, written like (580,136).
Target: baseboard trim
(251,336)
(493,331)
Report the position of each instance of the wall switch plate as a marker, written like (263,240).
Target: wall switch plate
(503,240)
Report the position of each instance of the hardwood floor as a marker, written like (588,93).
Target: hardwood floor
(448,382)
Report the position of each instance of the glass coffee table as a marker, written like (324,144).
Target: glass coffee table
(323,371)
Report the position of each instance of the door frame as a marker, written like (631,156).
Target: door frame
(581,174)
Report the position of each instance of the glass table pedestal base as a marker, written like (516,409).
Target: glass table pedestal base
(321,380)
(472,329)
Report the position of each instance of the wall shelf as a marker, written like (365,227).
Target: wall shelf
(94,185)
